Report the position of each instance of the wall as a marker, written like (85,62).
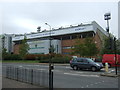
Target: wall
(40,47)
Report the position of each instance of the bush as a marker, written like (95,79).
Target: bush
(56,60)
(30,57)
(12,57)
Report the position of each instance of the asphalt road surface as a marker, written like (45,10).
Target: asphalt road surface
(65,77)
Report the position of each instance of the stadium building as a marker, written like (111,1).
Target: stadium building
(63,38)
(6,42)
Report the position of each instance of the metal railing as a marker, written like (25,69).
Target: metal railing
(27,75)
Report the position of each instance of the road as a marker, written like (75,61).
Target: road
(65,77)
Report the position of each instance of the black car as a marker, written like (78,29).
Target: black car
(85,63)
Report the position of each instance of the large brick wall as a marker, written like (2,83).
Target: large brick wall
(16,48)
(66,43)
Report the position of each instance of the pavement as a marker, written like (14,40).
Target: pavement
(111,72)
(9,83)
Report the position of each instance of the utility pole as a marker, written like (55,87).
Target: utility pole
(115,56)
(51,67)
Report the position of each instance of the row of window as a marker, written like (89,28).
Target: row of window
(37,48)
(75,36)
(68,47)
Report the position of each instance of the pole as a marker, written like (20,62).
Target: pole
(107,26)
(115,55)
(50,66)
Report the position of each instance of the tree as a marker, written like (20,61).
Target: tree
(4,53)
(108,47)
(87,48)
(118,46)
(52,49)
(24,47)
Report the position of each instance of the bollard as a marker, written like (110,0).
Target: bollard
(106,67)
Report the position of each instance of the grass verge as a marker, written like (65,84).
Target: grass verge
(21,61)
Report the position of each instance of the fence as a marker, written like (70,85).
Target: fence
(27,75)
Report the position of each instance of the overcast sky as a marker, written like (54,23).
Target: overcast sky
(25,17)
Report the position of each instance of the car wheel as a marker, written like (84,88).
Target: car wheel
(75,68)
(93,69)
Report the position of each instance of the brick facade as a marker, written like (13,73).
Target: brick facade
(16,48)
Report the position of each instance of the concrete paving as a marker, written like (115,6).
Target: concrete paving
(9,83)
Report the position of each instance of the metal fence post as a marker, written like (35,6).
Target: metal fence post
(31,76)
(52,81)
(17,74)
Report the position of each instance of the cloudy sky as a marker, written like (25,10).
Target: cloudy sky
(25,17)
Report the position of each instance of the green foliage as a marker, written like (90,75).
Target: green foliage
(24,47)
(108,47)
(52,49)
(64,59)
(12,57)
(42,58)
(118,46)
(87,48)
(4,53)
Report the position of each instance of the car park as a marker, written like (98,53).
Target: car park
(85,63)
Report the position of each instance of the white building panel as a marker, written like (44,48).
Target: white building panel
(63,31)
(42,46)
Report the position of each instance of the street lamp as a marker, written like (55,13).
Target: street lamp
(107,16)
(50,66)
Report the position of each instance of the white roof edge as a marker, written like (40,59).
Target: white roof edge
(96,25)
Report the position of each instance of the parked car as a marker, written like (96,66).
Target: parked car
(85,63)
(110,59)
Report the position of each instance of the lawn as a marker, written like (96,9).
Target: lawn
(21,61)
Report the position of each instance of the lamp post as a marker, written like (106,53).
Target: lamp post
(107,16)
(115,55)
(50,65)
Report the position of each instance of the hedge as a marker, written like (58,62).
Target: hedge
(56,60)
(42,58)
(12,57)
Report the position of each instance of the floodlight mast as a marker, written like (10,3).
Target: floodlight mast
(107,16)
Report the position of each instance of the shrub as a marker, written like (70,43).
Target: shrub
(30,57)
(56,60)
(12,57)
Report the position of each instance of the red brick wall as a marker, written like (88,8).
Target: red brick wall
(73,42)
(16,48)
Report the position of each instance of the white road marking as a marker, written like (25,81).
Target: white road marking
(79,72)
(41,69)
(81,75)
(96,83)
(87,86)
(68,67)
(91,84)
(56,70)
(20,66)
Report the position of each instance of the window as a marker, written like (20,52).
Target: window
(80,60)
(74,36)
(67,47)
(65,37)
